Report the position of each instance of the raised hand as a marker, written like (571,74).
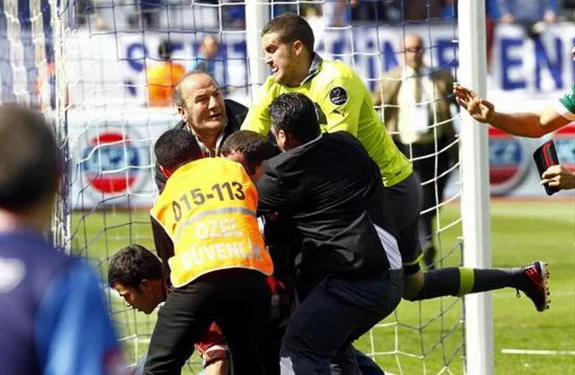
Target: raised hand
(481,110)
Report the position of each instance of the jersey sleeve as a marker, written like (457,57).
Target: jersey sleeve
(74,334)
(565,106)
(341,112)
(258,117)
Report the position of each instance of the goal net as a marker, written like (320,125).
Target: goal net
(84,63)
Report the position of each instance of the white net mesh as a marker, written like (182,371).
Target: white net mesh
(89,72)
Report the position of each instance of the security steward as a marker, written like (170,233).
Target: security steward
(219,264)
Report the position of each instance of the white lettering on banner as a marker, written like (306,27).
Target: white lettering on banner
(518,62)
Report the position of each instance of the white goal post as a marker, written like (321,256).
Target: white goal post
(474,168)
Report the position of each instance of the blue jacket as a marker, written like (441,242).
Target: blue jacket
(52,315)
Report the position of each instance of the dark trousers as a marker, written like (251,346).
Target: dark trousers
(405,201)
(335,313)
(238,300)
(429,169)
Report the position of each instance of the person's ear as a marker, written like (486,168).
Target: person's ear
(297,47)
(285,138)
(182,113)
(145,284)
(166,172)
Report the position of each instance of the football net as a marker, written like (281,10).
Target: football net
(84,63)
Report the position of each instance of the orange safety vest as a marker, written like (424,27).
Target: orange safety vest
(162,78)
(208,208)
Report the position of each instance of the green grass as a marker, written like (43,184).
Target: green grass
(421,338)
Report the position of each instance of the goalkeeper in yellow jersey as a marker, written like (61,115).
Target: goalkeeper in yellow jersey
(346,102)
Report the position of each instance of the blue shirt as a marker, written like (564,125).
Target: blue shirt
(52,317)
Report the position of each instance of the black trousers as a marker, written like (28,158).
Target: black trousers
(427,172)
(238,300)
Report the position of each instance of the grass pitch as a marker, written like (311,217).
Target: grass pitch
(427,337)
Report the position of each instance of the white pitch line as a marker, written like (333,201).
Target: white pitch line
(538,352)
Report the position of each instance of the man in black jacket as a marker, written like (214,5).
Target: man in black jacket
(205,113)
(350,261)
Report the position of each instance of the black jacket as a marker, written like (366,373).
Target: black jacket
(333,191)
(236,113)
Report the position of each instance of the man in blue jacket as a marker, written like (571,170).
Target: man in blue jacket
(53,318)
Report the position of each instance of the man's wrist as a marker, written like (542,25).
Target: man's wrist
(492,120)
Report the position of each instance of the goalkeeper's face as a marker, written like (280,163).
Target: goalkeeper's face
(283,59)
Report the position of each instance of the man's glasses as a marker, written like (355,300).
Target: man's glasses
(415,50)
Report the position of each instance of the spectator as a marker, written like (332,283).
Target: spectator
(531,14)
(150,11)
(53,318)
(417,111)
(337,13)
(205,60)
(421,10)
(163,76)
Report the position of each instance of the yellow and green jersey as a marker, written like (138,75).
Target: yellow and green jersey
(346,103)
(565,106)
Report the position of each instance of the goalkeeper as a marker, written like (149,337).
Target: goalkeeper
(346,104)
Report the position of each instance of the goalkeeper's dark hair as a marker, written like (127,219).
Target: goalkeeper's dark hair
(296,115)
(132,264)
(175,148)
(291,27)
(255,147)
(30,164)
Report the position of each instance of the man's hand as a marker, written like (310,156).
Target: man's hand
(559,176)
(481,110)
(218,367)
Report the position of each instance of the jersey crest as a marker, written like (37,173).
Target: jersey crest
(338,95)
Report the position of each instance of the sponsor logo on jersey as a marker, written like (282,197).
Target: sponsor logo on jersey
(111,163)
(338,95)
(508,161)
(564,139)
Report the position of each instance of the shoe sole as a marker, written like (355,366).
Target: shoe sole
(545,276)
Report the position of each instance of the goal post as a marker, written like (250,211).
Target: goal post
(474,159)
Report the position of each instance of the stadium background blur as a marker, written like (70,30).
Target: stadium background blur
(111,129)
